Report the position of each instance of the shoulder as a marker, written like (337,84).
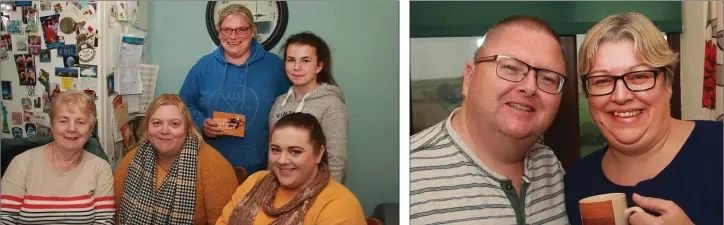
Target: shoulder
(27,156)
(338,196)
(96,162)
(541,154)
(126,161)
(212,159)
(707,131)
(255,178)
(585,169)
(428,137)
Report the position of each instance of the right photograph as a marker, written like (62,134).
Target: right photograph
(566,113)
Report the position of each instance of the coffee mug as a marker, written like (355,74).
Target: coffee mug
(606,209)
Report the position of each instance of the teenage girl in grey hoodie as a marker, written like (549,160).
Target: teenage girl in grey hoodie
(308,64)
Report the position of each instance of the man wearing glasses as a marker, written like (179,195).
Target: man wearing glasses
(239,77)
(483,165)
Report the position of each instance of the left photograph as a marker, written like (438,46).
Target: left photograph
(218,112)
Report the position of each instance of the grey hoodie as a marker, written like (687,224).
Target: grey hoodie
(326,103)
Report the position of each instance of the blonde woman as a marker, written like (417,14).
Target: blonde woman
(239,77)
(60,182)
(173,177)
(669,167)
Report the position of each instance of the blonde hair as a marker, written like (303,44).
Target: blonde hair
(73,100)
(649,45)
(174,100)
(237,9)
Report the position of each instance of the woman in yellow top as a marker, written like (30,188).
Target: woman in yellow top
(298,190)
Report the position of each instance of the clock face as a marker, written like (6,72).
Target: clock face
(270,18)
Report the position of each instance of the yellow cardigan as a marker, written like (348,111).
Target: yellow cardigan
(335,205)
(215,183)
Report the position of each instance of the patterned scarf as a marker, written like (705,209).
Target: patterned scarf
(261,196)
(175,200)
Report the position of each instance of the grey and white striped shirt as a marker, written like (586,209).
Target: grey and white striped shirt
(450,185)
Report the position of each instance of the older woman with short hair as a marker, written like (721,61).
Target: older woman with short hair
(60,182)
(173,177)
(669,167)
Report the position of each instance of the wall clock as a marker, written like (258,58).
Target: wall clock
(271,19)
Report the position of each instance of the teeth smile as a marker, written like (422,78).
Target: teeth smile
(286,170)
(626,114)
(520,107)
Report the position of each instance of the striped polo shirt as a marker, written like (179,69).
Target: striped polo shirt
(450,185)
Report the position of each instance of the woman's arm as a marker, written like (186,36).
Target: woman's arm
(103,197)
(13,189)
(334,124)
(219,185)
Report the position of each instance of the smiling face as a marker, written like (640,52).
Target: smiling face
(167,130)
(302,65)
(235,44)
(628,120)
(71,127)
(517,109)
(293,158)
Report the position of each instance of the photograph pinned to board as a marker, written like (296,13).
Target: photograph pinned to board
(46,5)
(70,61)
(27,116)
(66,72)
(34,49)
(15,27)
(17,118)
(67,50)
(30,15)
(110,81)
(50,31)
(27,103)
(31,30)
(6,42)
(27,77)
(44,55)
(3,54)
(36,103)
(30,130)
(21,43)
(24,61)
(34,40)
(89,71)
(7,90)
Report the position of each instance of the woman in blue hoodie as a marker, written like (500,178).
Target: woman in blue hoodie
(239,77)
(308,64)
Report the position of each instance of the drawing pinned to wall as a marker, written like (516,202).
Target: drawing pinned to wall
(89,71)
(50,31)
(15,27)
(7,90)
(44,55)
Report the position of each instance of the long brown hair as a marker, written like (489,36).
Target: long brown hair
(174,100)
(309,123)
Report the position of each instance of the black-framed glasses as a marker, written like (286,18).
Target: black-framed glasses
(636,81)
(238,30)
(512,69)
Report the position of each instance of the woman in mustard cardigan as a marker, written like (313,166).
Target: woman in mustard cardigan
(299,189)
(173,177)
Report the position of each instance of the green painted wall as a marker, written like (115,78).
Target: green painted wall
(364,41)
(467,18)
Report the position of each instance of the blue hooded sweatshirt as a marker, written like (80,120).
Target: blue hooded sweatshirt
(214,84)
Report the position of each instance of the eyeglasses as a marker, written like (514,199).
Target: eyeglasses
(511,69)
(605,84)
(239,31)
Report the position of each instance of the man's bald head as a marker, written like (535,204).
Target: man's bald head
(527,22)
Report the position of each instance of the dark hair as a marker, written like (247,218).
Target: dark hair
(324,55)
(307,122)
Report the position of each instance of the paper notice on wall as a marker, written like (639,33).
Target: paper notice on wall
(133,102)
(128,70)
(66,83)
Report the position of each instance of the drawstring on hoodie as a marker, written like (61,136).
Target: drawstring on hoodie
(299,107)
(246,78)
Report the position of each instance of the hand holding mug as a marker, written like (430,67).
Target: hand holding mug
(609,209)
(670,212)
